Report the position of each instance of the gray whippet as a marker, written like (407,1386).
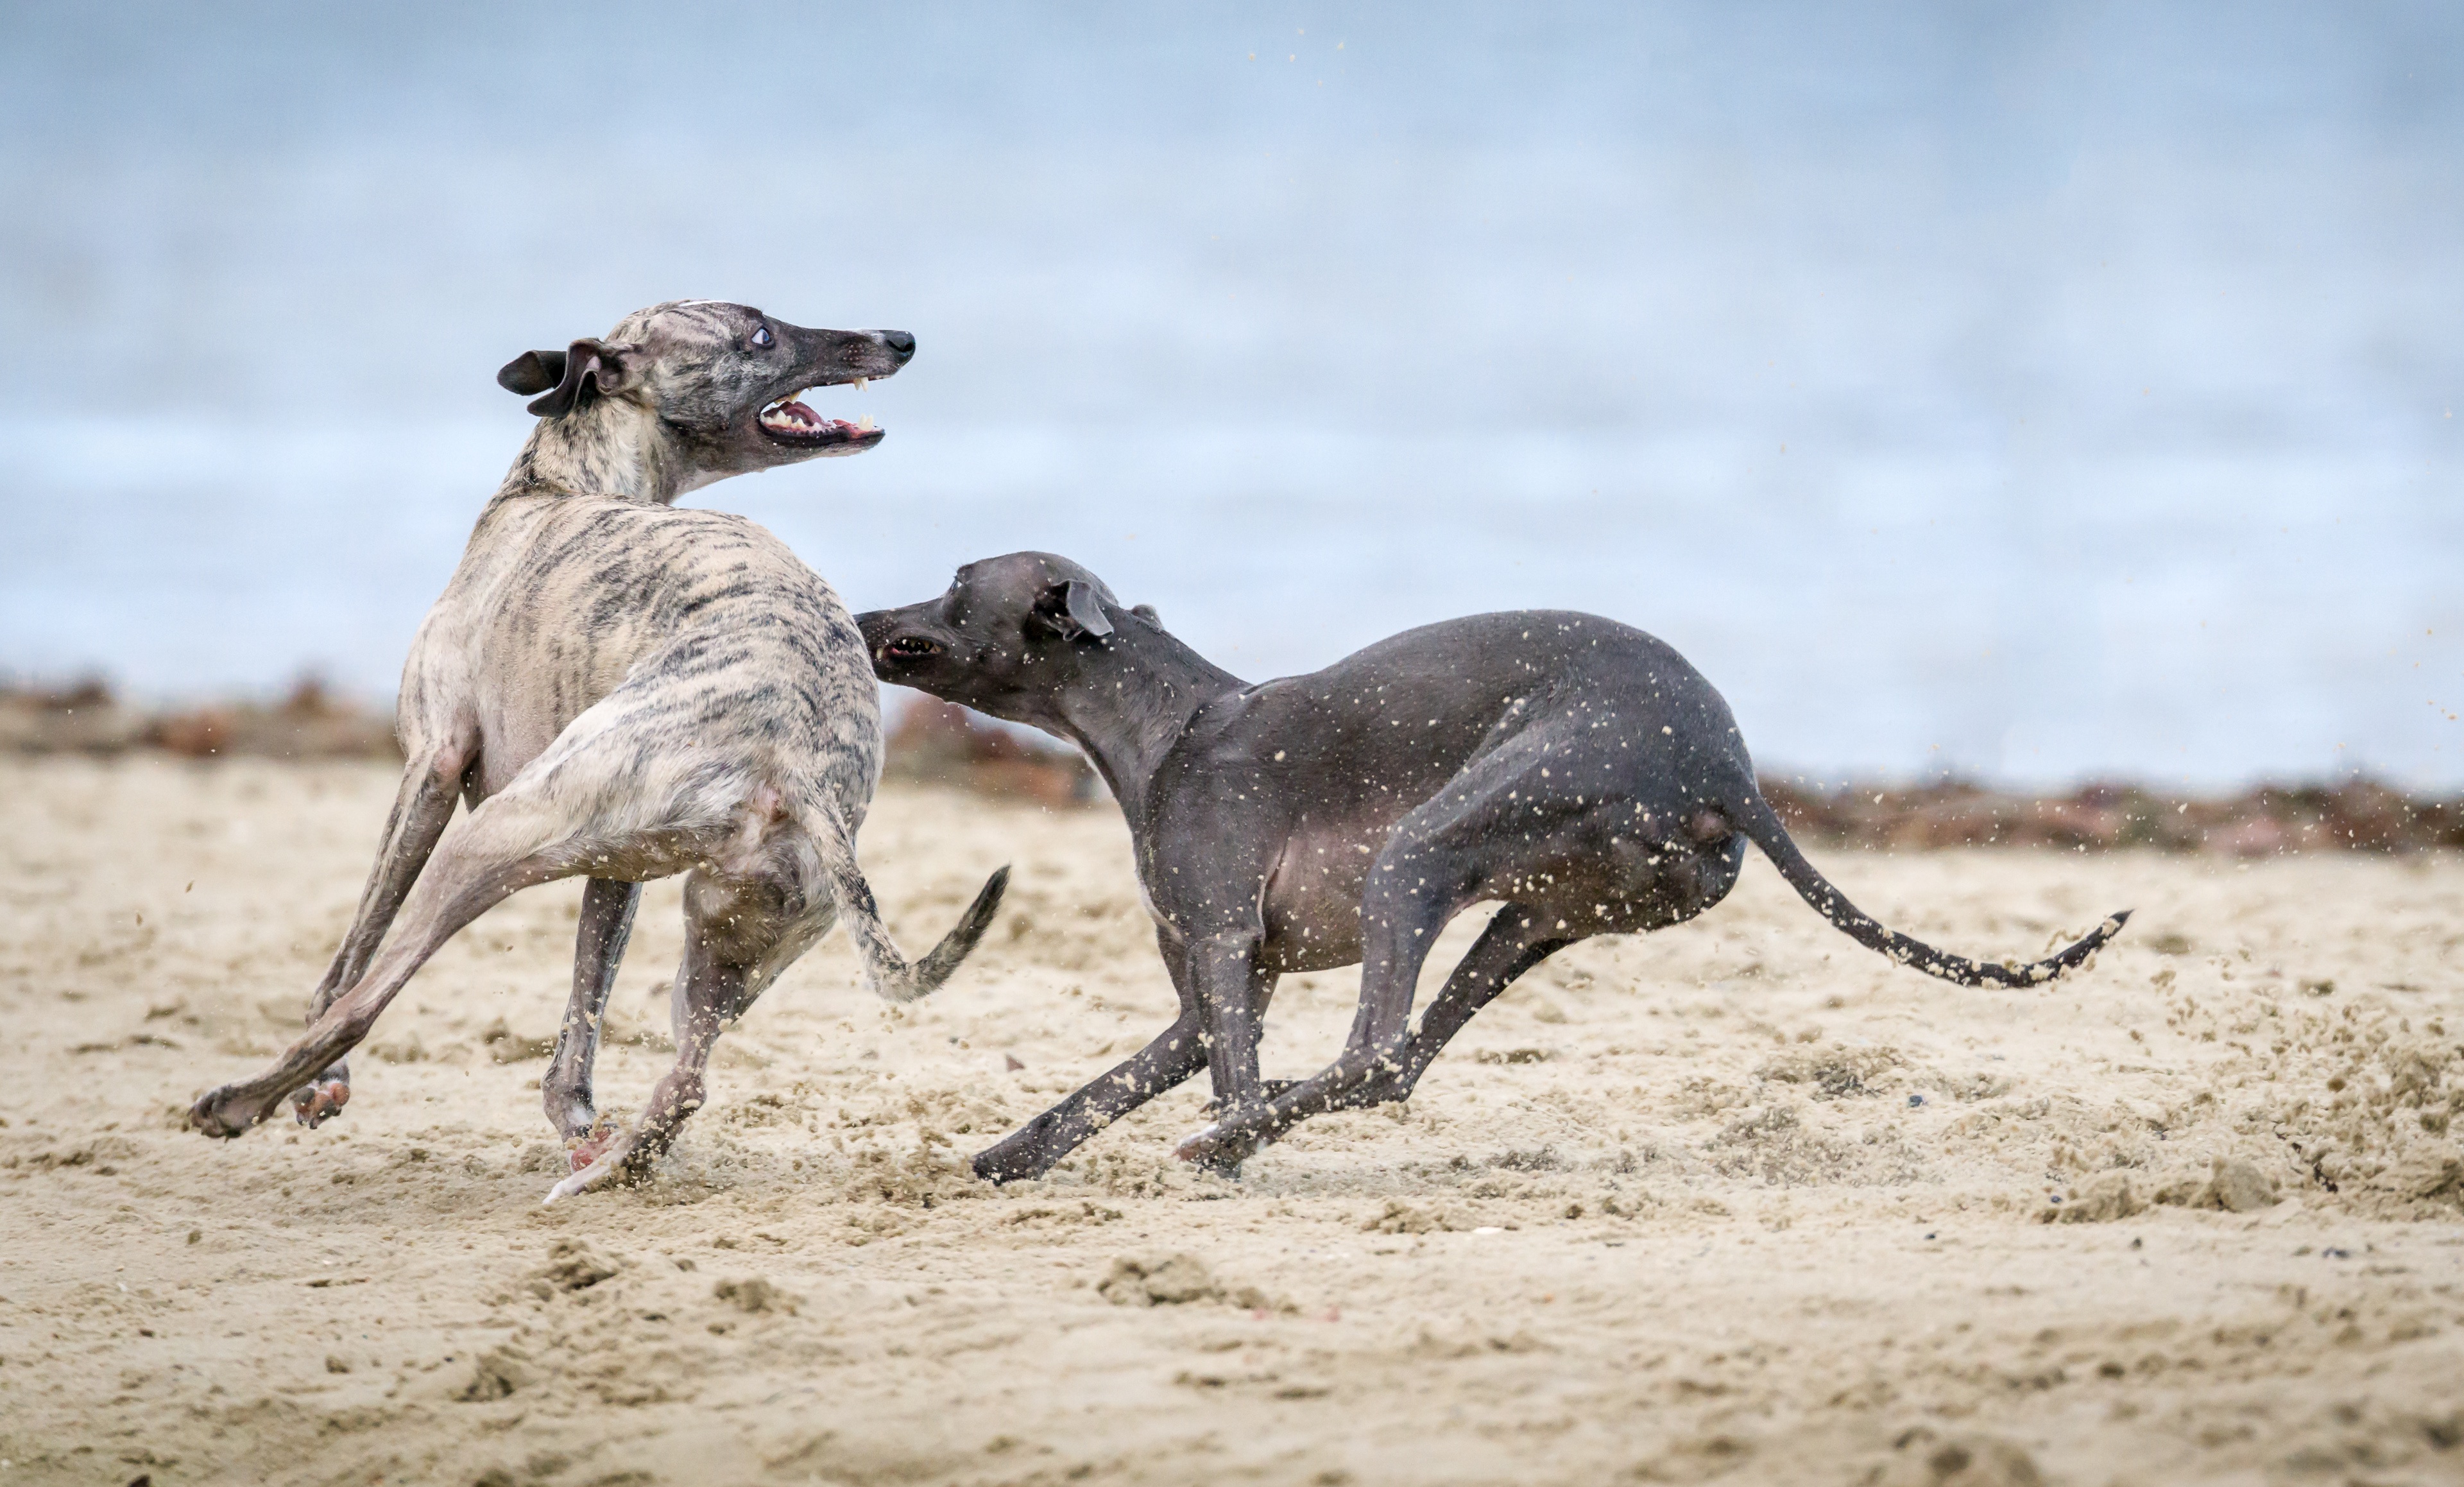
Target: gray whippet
(623,690)
(1574,768)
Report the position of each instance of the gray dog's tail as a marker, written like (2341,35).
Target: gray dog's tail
(1762,825)
(890,974)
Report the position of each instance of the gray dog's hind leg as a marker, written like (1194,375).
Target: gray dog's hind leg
(423,807)
(608,906)
(1513,942)
(1439,857)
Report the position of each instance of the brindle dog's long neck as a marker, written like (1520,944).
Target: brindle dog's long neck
(612,448)
(1135,693)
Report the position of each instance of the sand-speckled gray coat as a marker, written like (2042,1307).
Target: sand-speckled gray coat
(1576,771)
(624,690)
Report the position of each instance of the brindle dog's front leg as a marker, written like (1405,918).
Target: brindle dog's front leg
(431,785)
(1173,1054)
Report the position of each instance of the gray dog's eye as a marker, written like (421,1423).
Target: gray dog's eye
(761,334)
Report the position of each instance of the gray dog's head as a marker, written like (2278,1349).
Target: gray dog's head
(719,381)
(1007,634)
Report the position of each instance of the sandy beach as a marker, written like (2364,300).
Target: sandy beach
(1735,1200)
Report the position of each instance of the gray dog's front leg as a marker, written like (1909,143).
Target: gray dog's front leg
(1400,916)
(1030,1151)
(1176,1053)
(1232,992)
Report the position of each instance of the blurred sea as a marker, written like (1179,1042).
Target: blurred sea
(2033,393)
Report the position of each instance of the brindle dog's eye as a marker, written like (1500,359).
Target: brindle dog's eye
(761,334)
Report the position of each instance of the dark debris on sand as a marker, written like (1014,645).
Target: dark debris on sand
(86,718)
(2353,815)
(943,744)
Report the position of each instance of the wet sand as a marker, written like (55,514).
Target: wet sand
(1736,1201)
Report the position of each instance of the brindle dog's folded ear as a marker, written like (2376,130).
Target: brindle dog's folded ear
(584,371)
(532,372)
(1073,610)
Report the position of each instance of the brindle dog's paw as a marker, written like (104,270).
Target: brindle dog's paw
(314,1103)
(323,1098)
(594,1142)
(599,1173)
(225,1112)
(616,1159)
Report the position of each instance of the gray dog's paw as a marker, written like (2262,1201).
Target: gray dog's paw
(1215,1149)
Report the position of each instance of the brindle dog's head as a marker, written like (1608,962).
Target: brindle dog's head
(1007,634)
(721,380)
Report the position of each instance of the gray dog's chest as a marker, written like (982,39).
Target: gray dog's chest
(1283,812)
(1312,907)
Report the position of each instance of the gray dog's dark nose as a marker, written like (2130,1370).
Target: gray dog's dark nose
(900,341)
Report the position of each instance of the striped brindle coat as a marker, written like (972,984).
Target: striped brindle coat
(622,690)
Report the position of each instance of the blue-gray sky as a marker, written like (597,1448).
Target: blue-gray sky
(2032,391)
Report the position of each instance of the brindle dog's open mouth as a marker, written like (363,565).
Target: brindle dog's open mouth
(788,421)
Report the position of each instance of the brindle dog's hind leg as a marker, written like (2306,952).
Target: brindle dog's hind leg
(422,807)
(608,906)
(740,933)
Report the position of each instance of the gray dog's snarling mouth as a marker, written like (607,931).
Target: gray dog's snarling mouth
(789,421)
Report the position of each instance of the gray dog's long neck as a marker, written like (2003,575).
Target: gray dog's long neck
(1134,696)
(610,448)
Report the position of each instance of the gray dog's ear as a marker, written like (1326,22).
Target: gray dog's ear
(590,367)
(532,372)
(1073,610)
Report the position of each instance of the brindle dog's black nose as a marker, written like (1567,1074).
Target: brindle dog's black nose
(900,341)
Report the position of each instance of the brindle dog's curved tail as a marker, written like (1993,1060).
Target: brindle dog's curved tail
(889,973)
(1761,825)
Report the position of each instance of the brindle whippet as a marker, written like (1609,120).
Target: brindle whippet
(1575,768)
(624,690)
